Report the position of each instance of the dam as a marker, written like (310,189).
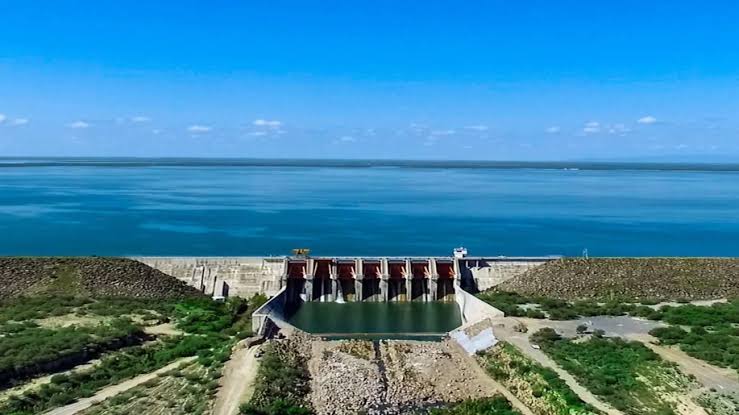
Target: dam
(367,297)
(324,278)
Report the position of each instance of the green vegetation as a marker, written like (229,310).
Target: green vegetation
(208,327)
(282,384)
(187,390)
(497,405)
(29,308)
(718,403)
(713,333)
(538,387)
(150,310)
(27,349)
(65,389)
(627,375)
(511,305)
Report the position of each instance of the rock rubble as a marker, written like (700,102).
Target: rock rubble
(630,279)
(400,377)
(118,277)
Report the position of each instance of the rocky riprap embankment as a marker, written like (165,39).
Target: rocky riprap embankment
(392,377)
(630,278)
(119,277)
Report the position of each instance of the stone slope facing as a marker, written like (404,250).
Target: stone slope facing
(630,279)
(118,277)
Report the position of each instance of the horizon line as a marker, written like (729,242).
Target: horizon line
(573,165)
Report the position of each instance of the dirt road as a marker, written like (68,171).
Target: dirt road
(722,379)
(237,381)
(114,390)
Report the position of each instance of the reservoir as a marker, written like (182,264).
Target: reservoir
(377,320)
(243,208)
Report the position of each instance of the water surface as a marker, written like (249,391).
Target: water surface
(216,208)
(377,320)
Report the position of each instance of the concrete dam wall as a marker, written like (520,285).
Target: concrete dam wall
(343,278)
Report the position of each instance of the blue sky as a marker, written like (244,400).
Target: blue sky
(491,80)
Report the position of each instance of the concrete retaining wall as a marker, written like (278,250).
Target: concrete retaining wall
(472,308)
(224,276)
(491,272)
(273,309)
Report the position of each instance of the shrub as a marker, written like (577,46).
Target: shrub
(497,405)
(545,335)
(628,375)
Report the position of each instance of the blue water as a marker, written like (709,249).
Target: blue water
(267,209)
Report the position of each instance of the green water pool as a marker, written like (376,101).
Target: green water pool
(370,320)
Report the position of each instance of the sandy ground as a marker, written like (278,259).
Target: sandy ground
(164,329)
(114,390)
(236,384)
(72,320)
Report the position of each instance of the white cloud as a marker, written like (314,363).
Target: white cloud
(477,127)
(553,129)
(198,128)
(347,139)
(443,132)
(140,119)
(78,125)
(267,123)
(257,133)
(647,120)
(591,127)
(619,129)
(156,131)
(15,121)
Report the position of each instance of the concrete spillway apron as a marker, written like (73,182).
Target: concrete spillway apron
(473,311)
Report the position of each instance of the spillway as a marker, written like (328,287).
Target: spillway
(371,298)
(359,296)
(371,280)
